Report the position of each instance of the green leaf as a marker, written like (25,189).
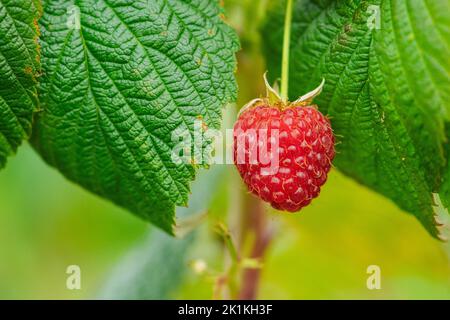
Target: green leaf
(442,199)
(119,78)
(387,88)
(156,267)
(19,68)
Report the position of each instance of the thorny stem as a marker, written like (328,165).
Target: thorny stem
(286,48)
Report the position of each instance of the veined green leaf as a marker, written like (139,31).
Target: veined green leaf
(387,88)
(119,78)
(19,68)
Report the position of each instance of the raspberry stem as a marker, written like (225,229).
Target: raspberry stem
(286,49)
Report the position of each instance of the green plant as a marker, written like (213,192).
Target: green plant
(99,88)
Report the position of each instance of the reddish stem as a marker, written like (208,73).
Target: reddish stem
(255,221)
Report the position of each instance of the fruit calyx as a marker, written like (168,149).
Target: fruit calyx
(274,99)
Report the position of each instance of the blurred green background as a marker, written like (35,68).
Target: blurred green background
(47,223)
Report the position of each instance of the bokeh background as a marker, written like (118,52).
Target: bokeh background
(48,223)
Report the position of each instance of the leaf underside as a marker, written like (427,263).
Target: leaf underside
(19,67)
(118,83)
(387,88)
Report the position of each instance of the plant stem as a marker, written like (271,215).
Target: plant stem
(225,233)
(257,231)
(286,49)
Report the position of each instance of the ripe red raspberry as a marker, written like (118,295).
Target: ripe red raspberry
(302,140)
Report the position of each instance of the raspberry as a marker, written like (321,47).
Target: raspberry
(296,134)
